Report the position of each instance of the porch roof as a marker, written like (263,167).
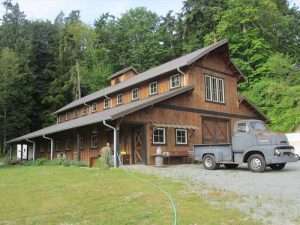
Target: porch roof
(110,114)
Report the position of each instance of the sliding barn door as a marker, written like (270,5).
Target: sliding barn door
(215,131)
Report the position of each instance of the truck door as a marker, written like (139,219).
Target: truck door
(215,131)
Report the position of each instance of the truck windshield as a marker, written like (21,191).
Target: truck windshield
(258,126)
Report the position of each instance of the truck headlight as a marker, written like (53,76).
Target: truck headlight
(277,152)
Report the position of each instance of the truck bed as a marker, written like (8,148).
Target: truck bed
(222,152)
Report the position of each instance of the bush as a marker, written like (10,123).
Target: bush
(55,162)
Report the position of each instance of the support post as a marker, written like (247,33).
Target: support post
(117,146)
(78,145)
(10,151)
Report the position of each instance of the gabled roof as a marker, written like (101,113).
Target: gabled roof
(110,114)
(243,99)
(125,70)
(172,65)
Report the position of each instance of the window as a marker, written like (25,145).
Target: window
(94,107)
(181,136)
(85,110)
(153,88)
(214,89)
(107,103)
(77,112)
(175,81)
(119,99)
(242,128)
(94,141)
(135,94)
(159,136)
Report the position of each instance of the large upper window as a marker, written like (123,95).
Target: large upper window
(135,95)
(159,135)
(153,88)
(107,103)
(181,136)
(94,107)
(175,81)
(214,89)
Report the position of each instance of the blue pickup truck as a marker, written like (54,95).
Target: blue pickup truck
(251,143)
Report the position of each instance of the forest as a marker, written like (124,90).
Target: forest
(42,62)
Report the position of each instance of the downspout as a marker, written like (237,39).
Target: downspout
(51,145)
(115,141)
(184,75)
(33,148)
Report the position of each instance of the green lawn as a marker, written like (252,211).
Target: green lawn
(72,195)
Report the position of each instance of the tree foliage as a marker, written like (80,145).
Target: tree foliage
(44,65)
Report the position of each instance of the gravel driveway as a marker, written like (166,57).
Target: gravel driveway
(272,197)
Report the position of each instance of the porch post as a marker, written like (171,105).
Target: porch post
(33,150)
(78,145)
(21,152)
(117,145)
(51,147)
(10,151)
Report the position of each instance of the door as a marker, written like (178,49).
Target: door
(139,145)
(215,131)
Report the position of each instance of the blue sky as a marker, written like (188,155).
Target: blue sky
(92,9)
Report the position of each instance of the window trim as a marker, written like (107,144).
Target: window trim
(186,136)
(108,106)
(119,96)
(150,89)
(171,83)
(138,94)
(214,94)
(164,136)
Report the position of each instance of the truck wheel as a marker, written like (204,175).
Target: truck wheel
(256,163)
(231,166)
(277,166)
(209,162)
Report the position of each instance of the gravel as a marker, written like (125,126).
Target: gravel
(272,197)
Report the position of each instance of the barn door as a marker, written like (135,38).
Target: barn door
(215,131)
(139,147)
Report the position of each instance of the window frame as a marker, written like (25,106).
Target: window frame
(119,97)
(85,110)
(150,88)
(96,143)
(171,81)
(214,89)
(164,136)
(132,94)
(108,101)
(185,136)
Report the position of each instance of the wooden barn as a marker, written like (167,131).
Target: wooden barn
(190,100)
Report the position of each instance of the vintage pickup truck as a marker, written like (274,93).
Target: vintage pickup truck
(252,144)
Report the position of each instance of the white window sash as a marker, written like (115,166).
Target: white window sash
(151,92)
(171,81)
(185,137)
(133,98)
(164,136)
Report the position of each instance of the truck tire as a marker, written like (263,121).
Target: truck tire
(257,163)
(231,166)
(209,162)
(277,166)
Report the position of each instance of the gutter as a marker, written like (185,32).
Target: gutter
(33,148)
(182,73)
(51,145)
(115,141)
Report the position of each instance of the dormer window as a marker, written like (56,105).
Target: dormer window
(119,99)
(153,88)
(85,110)
(175,81)
(107,103)
(135,95)
(214,89)
(94,107)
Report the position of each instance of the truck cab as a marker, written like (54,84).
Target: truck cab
(251,143)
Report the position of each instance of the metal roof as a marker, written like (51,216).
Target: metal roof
(110,114)
(147,75)
(125,70)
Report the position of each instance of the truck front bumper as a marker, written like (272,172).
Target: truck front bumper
(291,157)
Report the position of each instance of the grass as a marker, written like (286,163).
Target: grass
(73,196)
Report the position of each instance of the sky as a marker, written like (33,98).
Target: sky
(92,9)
